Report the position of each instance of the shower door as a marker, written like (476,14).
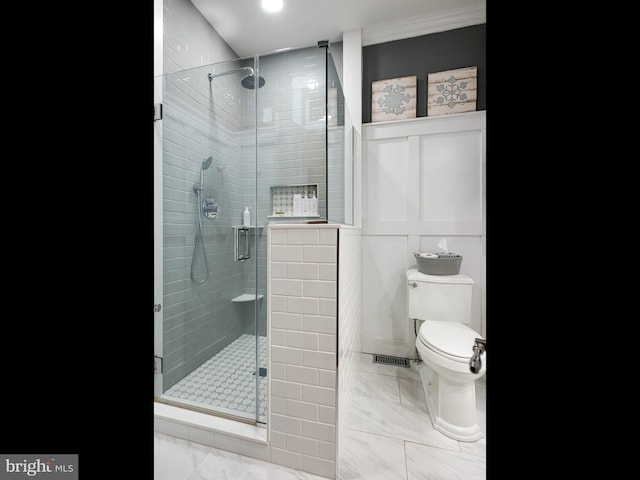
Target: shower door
(210,335)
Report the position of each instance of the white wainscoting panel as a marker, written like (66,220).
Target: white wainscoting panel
(424,182)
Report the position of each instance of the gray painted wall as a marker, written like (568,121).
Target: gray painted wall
(437,52)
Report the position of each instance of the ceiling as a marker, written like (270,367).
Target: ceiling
(248,29)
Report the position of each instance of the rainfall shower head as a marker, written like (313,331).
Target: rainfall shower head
(250,81)
(206,163)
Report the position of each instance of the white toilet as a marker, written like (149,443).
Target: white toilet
(445,345)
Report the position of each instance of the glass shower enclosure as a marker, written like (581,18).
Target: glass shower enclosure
(240,135)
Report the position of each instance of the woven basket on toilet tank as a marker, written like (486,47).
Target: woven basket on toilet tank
(438,263)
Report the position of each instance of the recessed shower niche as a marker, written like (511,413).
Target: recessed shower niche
(294,201)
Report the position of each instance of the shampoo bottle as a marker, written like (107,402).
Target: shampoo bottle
(313,205)
(305,205)
(297,205)
(246,217)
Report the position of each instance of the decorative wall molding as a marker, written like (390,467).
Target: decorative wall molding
(423,180)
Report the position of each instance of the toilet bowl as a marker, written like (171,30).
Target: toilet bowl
(445,344)
(449,386)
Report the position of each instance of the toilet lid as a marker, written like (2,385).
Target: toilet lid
(451,339)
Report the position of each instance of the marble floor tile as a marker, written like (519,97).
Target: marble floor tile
(395,420)
(174,458)
(375,385)
(477,448)
(388,436)
(427,463)
(412,393)
(367,456)
(221,465)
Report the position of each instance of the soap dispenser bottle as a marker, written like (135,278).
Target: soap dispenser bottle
(246,217)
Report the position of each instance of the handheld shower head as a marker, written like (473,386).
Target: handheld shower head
(197,188)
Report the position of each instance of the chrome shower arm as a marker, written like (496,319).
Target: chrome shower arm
(227,72)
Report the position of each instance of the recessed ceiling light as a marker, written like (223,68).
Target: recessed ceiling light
(272,5)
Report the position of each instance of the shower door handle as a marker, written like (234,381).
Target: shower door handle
(237,256)
(247,242)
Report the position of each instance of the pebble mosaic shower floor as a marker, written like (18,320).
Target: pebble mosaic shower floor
(227,380)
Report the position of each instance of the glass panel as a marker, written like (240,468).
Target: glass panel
(209,342)
(339,151)
(292,134)
(234,141)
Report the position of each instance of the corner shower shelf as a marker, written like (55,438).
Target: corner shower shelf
(246,297)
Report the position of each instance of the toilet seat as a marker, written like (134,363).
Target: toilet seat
(452,340)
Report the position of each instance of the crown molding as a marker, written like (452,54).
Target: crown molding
(416,27)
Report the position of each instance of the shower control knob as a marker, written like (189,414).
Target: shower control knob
(157,307)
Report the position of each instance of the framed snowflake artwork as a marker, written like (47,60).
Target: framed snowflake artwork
(452,91)
(393,99)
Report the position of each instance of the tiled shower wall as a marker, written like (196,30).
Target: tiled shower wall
(291,131)
(198,122)
(291,136)
(188,38)
(294,145)
(208,122)
(303,347)
(199,319)
(218,118)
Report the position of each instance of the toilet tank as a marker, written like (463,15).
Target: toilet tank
(439,297)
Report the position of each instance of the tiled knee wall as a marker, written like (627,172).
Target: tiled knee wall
(303,341)
(303,265)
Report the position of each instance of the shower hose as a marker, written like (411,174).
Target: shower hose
(199,244)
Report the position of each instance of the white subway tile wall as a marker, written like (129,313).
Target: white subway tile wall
(303,391)
(188,39)
(349,322)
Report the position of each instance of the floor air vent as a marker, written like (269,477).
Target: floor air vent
(389,360)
